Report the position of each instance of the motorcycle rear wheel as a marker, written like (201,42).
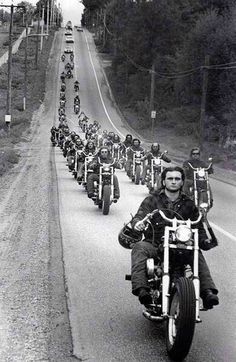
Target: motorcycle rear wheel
(106,199)
(181,322)
(137,175)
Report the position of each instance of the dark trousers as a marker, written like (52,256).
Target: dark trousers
(144,250)
(95,177)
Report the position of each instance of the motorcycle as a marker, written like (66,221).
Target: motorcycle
(200,190)
(87,170)
(69,74)
(76,108)
(153,176)
(173,278)
(77,159)
(104,188)
(63,87)
(116,152)
(76,87)
(63,57)
(137,167)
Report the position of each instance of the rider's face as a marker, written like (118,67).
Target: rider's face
(136,143)
(104,153)
(195,155)
(173,181)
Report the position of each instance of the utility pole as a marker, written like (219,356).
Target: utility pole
(151,107)
(203,102)
(9,66)
(47,17)
(37,40)
(42,29)
(26,65)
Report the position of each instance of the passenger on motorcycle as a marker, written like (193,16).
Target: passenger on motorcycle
(130,152)
(104,156)
(171,199)
(154,152)
(196,162)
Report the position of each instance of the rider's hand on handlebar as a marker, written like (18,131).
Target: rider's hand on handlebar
(207,244)
(139,226)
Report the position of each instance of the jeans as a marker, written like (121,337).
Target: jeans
(144,250)
(95,177)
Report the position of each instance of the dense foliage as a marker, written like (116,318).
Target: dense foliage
(174,37)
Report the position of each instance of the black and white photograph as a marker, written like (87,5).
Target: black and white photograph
(117,180)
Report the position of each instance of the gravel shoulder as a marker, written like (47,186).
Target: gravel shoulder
(34,323)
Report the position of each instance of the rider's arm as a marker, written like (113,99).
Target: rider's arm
(166,159)
(145,208)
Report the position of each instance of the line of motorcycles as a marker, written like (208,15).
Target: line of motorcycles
(175,287)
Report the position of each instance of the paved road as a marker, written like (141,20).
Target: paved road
(106,320)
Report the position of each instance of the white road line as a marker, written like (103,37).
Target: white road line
(222,231)
(99,90)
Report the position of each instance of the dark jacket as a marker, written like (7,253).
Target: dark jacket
(184,206)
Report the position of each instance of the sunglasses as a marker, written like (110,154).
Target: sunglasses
(195,153)
(104,152)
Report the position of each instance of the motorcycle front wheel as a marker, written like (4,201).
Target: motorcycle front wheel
(181,322)
(106,199)
(137,175)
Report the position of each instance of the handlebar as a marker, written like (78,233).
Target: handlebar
(151,214)
(202,168)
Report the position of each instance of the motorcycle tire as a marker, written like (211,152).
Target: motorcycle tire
(106,199)
(137,175)
(181,322)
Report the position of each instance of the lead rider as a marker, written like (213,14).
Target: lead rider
(169,198)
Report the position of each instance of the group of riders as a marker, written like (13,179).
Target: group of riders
(172,189)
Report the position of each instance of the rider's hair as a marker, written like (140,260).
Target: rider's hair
(195,149)
(171,169)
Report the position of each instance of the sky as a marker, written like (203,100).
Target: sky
(71,9)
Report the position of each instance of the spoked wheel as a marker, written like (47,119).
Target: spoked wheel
(181,322)
(106,199)
(137,175)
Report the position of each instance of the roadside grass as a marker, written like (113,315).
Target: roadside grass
(21,119)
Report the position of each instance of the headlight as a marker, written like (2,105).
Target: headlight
(203,205)
(183,233)
(106,169)
(201,173)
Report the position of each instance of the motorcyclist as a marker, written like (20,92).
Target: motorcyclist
(63,76)
(77,100)
(171,199)
(63,87)
(63,57)
(72,57)
(154,152)
(68,66)
(196,162)
(76,85)
(103,156)
(136,146)
(53,131)
(89,150)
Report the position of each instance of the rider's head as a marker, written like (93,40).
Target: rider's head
(136,142)
(195,153)
(104,152)
(90,146)
(116,138)
(128,138)
(155,147)
(172,178)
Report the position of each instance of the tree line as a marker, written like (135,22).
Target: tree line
(173,38)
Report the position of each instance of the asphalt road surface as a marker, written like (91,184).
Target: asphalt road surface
(106,320)
(62,271)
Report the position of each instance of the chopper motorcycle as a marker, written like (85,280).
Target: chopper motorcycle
(173,278)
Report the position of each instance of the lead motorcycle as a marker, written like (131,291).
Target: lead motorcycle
(174,284)
(104,188)
(200,190)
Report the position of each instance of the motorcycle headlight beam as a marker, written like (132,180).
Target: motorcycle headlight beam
(183,233)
